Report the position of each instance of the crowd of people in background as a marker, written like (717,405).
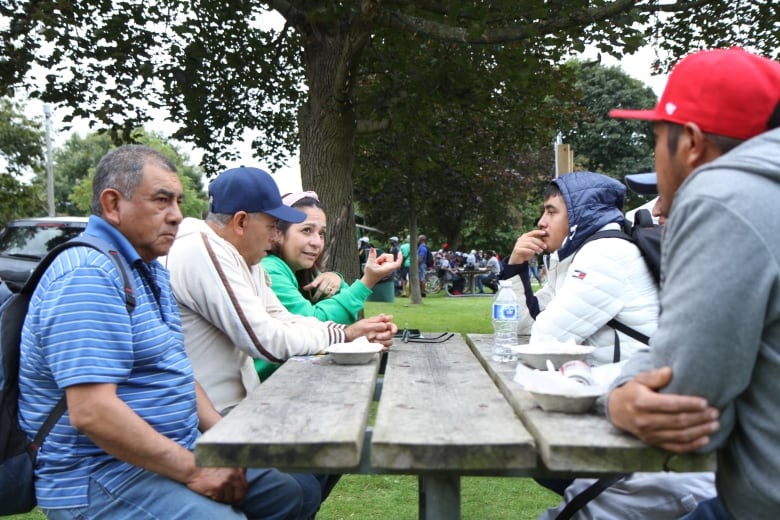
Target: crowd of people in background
(446,264)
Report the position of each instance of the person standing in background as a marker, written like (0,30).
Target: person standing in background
(533,268)
(394,250)
(422,255)
(405,247)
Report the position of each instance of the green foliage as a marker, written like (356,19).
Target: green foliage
(600,143)
(458,150)
(74,164)
(219,70)
(18,200)
(21,139)
(752,24)
(77,159)
(21,151)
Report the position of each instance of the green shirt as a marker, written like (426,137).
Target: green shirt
(343,307)
(405,251)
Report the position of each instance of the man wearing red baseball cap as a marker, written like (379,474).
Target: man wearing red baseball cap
(711,378)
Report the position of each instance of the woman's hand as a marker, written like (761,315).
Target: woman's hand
(379,267)
(325,285)
(378,329)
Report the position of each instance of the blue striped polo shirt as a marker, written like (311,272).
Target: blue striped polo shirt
(78,331)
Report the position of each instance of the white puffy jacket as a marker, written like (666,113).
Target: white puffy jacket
(607,278)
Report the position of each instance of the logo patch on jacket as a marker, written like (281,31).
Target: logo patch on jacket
(580,275)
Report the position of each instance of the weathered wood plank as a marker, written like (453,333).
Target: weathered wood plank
(310,414)
(440,411)
(585,443)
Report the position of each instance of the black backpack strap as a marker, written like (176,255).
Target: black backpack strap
(48,424)
(607,233)
(594,490)
(628,331)
(616,348)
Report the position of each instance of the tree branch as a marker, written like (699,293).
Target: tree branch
(512,31)
(356,40)
(367,126)
(673,8)
(289,11)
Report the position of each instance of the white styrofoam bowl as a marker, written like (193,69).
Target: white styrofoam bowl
(353,353)
(552,402)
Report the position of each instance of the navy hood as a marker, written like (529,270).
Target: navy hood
(592,200)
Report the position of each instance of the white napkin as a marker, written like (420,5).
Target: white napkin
(545,381)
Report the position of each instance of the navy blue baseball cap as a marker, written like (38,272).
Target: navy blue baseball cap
(642,183)
(252,190)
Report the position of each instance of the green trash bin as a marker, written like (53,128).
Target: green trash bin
(384,291)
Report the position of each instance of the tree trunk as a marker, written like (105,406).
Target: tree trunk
(327,126)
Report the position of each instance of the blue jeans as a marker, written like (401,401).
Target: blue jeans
(710,509)
(271,495)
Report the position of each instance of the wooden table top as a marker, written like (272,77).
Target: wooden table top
(444,407)
(439,411)
(580,443)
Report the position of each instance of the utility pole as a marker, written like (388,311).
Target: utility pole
(49,169)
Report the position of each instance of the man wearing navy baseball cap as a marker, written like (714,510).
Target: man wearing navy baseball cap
(229,314)
(251,190)
(711,378)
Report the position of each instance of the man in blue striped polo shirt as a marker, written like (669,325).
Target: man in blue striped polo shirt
(124,447)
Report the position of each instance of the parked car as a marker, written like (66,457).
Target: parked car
(24,242)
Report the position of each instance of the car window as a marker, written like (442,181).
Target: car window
(35,241)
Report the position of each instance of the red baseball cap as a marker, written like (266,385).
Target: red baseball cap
(728,92)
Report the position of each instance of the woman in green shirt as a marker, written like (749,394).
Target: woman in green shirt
(294,268)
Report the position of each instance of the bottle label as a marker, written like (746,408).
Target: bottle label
(505,311)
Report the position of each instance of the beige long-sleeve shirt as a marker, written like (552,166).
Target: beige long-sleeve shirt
(230,315)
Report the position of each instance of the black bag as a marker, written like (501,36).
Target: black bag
(17,453)
(645,234)
(428,258)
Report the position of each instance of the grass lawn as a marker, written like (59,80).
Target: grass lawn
(367,497)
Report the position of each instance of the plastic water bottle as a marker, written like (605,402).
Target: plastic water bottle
(506,316)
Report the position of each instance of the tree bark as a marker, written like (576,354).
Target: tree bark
(327,126)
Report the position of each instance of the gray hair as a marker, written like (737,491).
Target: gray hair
(122,169)
(221,219)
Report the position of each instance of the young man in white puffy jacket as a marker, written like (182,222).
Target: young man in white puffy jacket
(587,286)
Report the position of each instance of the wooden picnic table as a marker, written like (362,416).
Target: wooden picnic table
(445,410)
(470,282)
